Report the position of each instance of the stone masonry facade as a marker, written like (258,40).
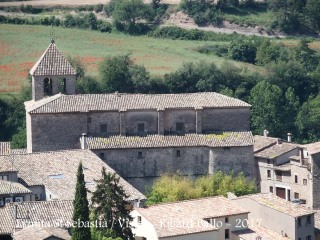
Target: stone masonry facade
(57,119)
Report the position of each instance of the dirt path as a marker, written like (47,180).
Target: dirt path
(181,20)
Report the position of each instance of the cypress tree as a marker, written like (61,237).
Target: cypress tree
(81,208)
(111,207)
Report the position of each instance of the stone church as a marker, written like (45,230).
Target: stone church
(141,136)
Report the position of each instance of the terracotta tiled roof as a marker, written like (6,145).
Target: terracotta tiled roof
(255,231)
(123,101)
(40,233)
(276,150)
(7,187)
(52,62)
(49,213)
(57,171)
(312,148)
(6,164)
(5,148)
(191,213)
(261,142)
(279,204)
(223,139)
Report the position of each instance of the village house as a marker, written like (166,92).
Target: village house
(288,170)
(48,176)
(288,219)
(49,218)
(212,218)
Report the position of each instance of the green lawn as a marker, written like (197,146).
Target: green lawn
(22,45)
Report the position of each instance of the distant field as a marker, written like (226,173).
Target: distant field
(22,45)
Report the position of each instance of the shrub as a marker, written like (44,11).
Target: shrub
(98,8)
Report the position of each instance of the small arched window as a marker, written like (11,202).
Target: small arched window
(47,86)
(64,85)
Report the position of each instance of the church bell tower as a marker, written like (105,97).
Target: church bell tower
(52,74)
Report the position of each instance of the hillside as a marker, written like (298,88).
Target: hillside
(21,46)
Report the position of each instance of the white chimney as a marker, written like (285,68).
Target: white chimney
(265,133)
(83,141)
(289,137)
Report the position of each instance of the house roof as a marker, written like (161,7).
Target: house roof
(124,101)
(262,142)
(6,164)
(5,148)
(40,233)
(255,231)
(276,150)
(57,171)
(312,148)
(7,187)
(45,213)
(279,204)
(52,62)
(223,139)
(187,217)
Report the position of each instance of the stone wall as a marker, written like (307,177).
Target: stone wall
(56,131)
(226,119)
(38,85)
(228,159)
(316,179)
(142,169)
(62,130)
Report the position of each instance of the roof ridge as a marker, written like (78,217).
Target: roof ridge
(183,201)
(37,104)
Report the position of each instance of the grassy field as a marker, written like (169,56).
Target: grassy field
(260,15)
(22,45)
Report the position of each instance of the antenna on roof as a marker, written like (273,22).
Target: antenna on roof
(52,34)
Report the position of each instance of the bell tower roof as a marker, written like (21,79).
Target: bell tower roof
(52,63)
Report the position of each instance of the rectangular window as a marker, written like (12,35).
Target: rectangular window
(299,221)
(103,128)
(296,195)
(305,181)
(89,119)
(308,237)
(309,219)
(1,202)
(226,220)
(101,155)
(4,177)
(268,161)
(140,127)
(279,176)
(179,127)
(269,174)
(139,219)
(178,153)
(296,178)
(139,154)
(226,234)
(271,189)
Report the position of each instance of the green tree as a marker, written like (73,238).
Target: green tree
(77,65)
(115,74)
(266,100)
(87,84)
(244,51)
(306,56)
(308,120)
(290,111)
(127,13)
(312,14)
(80,208)
(110,206)
(177,188)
